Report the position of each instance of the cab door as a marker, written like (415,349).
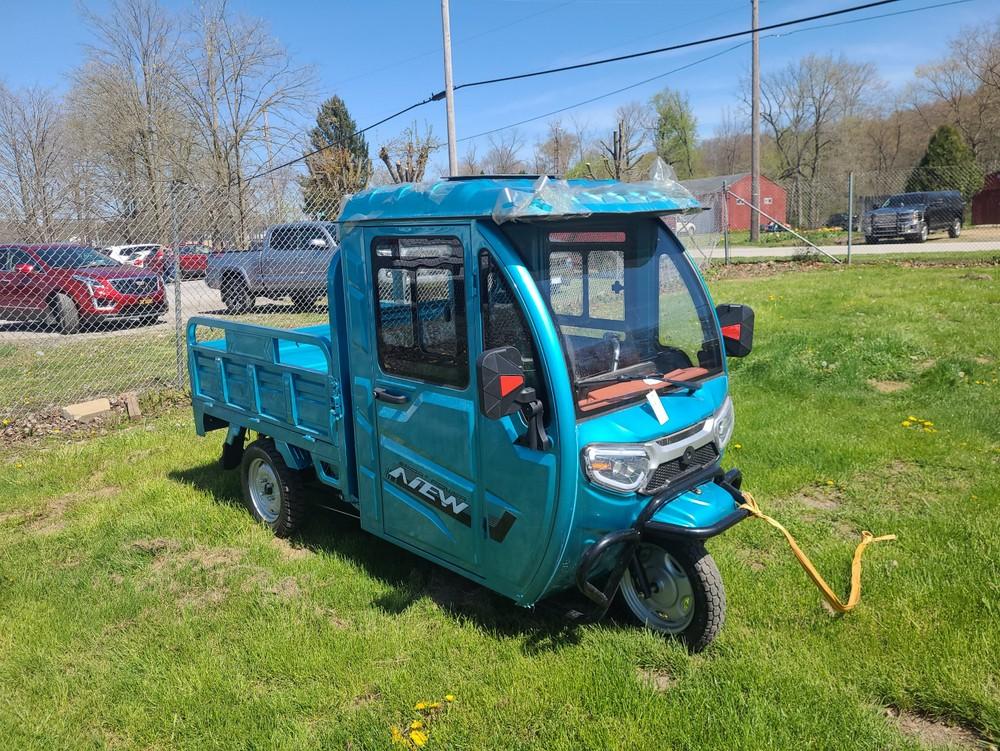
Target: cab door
(517,485)
(424,404)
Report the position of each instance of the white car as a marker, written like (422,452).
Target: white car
(132,255)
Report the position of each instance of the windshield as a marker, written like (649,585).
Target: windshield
(906,199)
(631,312)
(71,257)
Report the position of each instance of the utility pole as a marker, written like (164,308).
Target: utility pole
(449,90)
(755,129)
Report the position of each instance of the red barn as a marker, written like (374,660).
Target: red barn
(709,191)
(986,203)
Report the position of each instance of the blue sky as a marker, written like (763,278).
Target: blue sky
(381,55)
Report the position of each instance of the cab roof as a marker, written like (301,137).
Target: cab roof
(511,198)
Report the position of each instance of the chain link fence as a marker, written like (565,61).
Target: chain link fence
(96,290)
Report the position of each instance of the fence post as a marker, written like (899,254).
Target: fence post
(178,312)
(850,215)
(725,220)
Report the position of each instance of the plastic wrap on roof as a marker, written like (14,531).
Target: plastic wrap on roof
(378,200)
(548,197)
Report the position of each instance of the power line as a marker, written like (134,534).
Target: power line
(604,61)
(673,47)
(644,81)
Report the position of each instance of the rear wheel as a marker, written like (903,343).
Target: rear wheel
(955,229)
(272,491)
(64,313)
(686,597)
(236,295)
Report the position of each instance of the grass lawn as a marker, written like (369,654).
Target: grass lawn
(141,608)
(782,239)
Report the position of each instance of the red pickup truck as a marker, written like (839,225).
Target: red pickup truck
(72,287)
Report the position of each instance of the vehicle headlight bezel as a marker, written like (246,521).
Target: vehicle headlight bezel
(725,423)
(618,467)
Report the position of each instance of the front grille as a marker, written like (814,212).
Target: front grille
(884,220)
(140,286)
(667,472)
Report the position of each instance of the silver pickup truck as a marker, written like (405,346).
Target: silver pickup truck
(291,262)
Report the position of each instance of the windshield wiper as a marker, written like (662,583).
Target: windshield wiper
(586,383)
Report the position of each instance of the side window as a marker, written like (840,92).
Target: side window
(503,320)
(284,238)
(309,234)
(420,308)
(5,264)
(566,282)
(18,257)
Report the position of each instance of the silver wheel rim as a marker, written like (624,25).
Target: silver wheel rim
(265,492)
(957,227)
(924,232)
(670,606)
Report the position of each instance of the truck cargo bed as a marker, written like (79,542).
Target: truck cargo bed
(283,383)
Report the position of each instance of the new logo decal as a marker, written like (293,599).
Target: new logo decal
(426,491)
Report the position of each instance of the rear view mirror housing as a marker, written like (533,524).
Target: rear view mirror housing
(502,392)
(736,322)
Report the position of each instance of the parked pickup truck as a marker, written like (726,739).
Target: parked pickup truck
(291,262)
(521,380)
(913,216)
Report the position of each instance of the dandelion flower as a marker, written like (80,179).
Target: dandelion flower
(420,705)
(906,423)
(434,705)
(416,725)
(450,697)
(737,445)
(419,738)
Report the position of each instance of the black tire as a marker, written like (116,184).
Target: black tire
(871,240)
(64,313)
(707,594)
(289,509)
(955,228)
(236,295)
(303,302)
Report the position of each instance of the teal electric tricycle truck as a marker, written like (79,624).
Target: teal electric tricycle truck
(522,380)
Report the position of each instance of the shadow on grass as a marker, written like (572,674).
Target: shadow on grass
(542,629)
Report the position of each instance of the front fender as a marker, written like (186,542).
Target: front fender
(699,513)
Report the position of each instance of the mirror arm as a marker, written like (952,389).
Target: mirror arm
(532,411)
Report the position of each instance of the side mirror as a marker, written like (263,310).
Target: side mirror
(24,268)
(317,242)
(501,382)
(502,392)
(736,322)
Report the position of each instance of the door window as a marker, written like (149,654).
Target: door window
(419,309)
(285,238)
(503,321)
(17,258)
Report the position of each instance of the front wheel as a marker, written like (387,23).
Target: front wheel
(272,491)
(686,597)
(236,296)
(922,235)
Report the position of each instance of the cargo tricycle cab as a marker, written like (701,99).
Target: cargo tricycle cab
(526,383)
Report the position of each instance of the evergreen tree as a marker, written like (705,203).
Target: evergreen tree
(341,168)
(948,164)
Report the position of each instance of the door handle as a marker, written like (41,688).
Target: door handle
(388,396)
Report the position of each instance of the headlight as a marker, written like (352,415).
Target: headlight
(619,467)
(725,421)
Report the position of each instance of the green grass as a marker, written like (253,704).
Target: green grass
(141,608)
(822,236)
(54,369)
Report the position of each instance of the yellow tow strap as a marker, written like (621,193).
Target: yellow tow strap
(867,538)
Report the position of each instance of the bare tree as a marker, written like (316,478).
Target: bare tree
(728,150)
(405,157)
(242,91)
(556,151)
(469,163)
(620,154)
(504,154)
(31,156)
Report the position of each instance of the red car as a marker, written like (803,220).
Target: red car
(70,287)
(193,261)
